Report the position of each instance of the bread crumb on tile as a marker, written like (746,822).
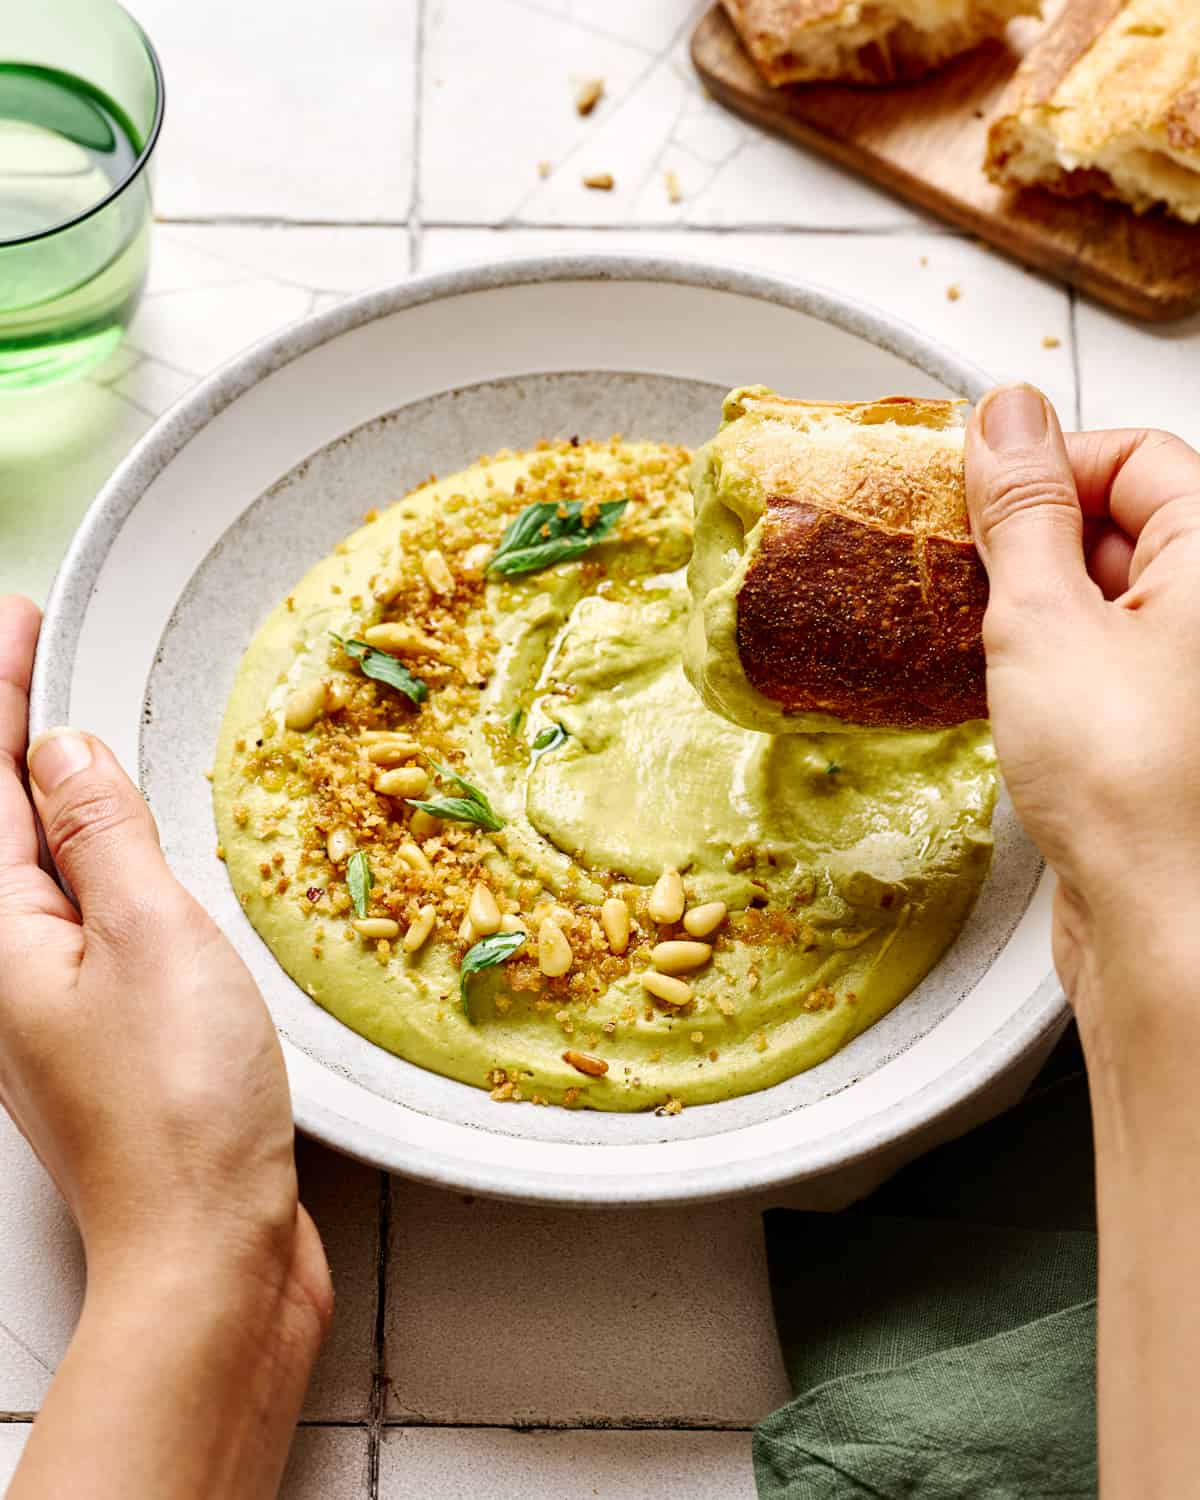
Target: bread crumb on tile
(603,182)
(1050,342)
(674,191)
(588,95)
(953,292)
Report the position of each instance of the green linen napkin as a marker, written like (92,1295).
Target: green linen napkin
(943,1331)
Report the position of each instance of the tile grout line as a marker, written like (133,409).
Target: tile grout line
(377,1411)
(415,227)
(1076,365)
(514,227)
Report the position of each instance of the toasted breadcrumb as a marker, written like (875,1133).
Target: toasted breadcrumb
(603,182)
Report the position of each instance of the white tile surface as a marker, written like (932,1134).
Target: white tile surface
(41,1276)
(479,155)
(290,112)
(1134,375)
(485,1464)
(499,1313)
(999,321)
(13,1437)
(327,1463)
(343,1198)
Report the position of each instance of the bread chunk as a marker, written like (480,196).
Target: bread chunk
(1108,102)
(834,581)
(865,41)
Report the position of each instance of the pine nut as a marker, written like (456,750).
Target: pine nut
(339,845)
(614,918)
(437,574)
(420,928)
(667,899)
(402,640)
(554,952)
(305,706)
(423,824)
(663,987)
(584,1062)
(415,858)
(338,692)
(376,927)
(476,558)
(407,781)
(387,589)
(392,752)
(678,957)
(466,933)
(482,912)
(702,920)
(510,922)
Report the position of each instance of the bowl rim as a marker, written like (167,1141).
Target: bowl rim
(1043,1013)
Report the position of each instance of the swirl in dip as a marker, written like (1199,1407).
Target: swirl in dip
(803,884)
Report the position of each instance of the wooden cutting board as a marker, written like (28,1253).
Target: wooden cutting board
(925,141)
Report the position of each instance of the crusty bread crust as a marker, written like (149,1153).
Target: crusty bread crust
(861,594)
(864,41)
(1108,102)
(877,627)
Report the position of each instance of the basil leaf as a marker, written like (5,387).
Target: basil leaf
(384,668)
(471,807)
(549,532)
(550,738)
(359,882)
(460,810)
(486,954)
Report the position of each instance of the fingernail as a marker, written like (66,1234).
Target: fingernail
(1013,417)
(56,754)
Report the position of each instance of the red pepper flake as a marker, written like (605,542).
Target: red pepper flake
(314,893)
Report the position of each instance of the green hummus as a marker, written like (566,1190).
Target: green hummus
(848,862)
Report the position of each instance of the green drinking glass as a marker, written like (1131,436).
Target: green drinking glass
(81,105)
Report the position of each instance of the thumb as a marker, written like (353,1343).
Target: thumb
(1024,510)
(99,830)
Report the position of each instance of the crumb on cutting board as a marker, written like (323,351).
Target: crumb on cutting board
(544,169)
(674,190)
(603,182)
(953,292)
(1049,341)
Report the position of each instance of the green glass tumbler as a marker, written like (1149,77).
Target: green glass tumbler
(81,105)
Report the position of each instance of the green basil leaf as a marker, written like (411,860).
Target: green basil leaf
(471,807)
(359,882)
(384,668)
(550,738)
(549,532)
(460,810)
(486,954)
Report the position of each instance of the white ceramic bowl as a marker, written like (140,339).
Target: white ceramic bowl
(255,475)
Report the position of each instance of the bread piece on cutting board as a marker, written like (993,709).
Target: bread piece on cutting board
(865,41)
(1108,102)
(834,581)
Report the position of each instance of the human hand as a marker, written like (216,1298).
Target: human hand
(1092,633)
(138,1059)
